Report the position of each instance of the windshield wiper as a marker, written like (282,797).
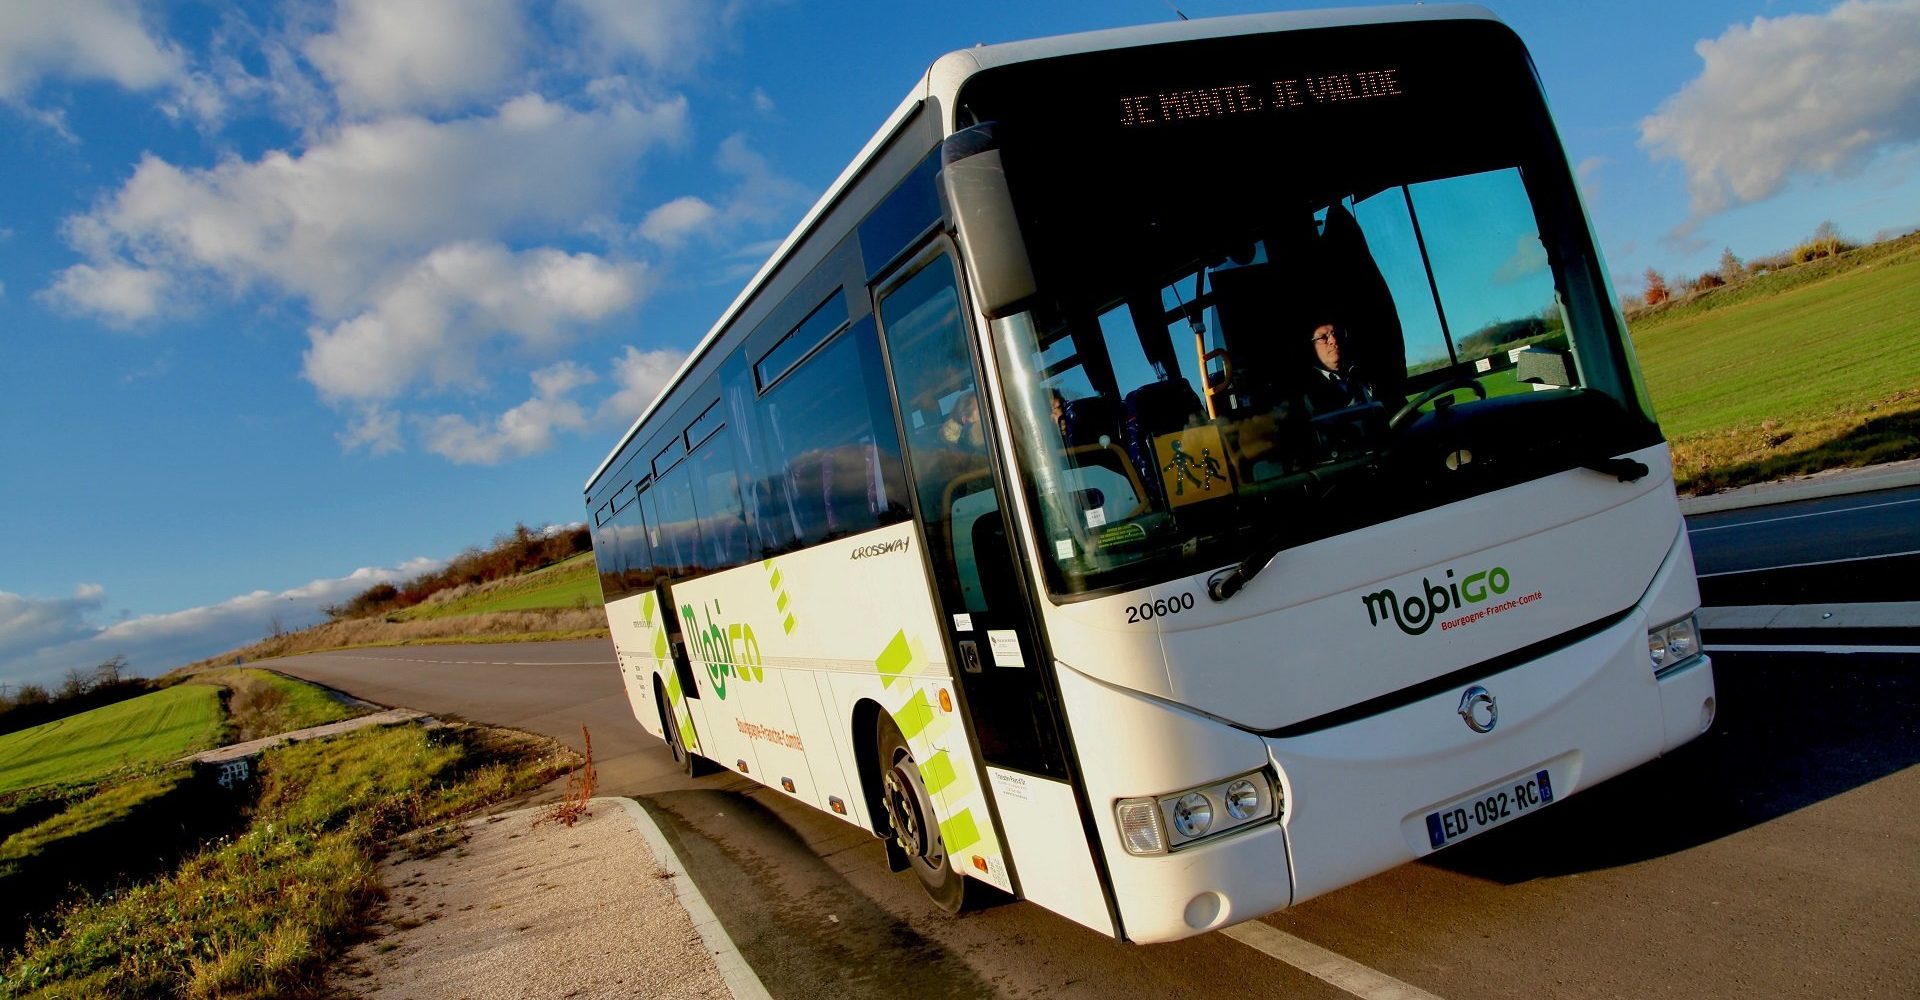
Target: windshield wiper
(1227,583)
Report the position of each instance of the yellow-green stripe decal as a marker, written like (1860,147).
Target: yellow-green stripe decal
(938,773)
(894,660)
(960,832)
(914,716)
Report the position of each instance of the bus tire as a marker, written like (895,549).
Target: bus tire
(913,826)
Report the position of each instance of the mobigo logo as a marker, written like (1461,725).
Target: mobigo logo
(1417,613)
(729,650)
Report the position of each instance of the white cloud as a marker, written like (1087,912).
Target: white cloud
(640,375)
(42,639)
(524,430)
(27,623)
(667,36)
(1528,258)
(117,292)
(434,322)
(81,40)
(1793,95)
(671,223)
(1588,175)
(330,223)
(373,427)
(420,55)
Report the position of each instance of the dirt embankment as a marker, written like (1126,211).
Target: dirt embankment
(499,626)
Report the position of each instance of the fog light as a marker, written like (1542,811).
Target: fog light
(1192,814)
(1243,800)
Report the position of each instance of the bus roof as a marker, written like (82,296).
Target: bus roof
(943,80)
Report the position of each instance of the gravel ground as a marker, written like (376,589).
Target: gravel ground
(526,909)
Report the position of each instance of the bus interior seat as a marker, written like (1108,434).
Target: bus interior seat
(1152,410)
(1089,419)
(1355,295)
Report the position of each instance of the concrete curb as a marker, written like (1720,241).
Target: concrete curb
(1839,482)
(739,976)
(390,717)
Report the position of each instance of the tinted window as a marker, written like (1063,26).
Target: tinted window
(673,524)
(833,467)
(723,524)
(830,316)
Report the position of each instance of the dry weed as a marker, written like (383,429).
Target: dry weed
(572,807)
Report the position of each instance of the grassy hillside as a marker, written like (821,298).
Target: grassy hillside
(150,729)
(571,583)
(1812,367)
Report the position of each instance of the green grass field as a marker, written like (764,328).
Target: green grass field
(150,729)
(572,583)
(1813,367)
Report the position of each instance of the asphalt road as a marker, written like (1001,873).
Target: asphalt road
(1861,548)
(1772,857)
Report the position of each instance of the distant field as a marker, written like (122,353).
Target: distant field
(1811,367)
(573,583)
(152,728)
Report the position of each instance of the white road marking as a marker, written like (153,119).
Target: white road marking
(1805,565)
(1324,965)
(1793,517)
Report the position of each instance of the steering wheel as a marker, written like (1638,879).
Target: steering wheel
(1432,393)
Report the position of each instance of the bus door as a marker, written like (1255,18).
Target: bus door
(992,638)
(682,666)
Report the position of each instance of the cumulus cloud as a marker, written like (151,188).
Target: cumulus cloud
(524,430)
(671,223)
(1528,258)
(328,223)
(373,427)
(639,375)
(432,322)
(119,293)
(666,36)
(1801,94)
(420,55)
(41,639)
(81,40)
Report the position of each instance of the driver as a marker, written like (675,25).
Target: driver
(1338,381)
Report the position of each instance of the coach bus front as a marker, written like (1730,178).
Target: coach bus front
(1356,531)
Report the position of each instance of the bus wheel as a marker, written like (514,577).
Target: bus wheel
(914,828)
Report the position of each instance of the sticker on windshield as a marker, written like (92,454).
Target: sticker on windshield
(1096,517)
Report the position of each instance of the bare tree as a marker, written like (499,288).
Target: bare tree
(110,671)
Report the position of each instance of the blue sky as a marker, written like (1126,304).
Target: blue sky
(298,296)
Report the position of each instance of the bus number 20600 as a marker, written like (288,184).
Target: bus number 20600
(1156,609)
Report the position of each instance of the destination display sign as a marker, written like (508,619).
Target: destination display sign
(1256,98)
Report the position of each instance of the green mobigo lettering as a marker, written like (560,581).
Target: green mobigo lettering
(1417,612)
(729,650)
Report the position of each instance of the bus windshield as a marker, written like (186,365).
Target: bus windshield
(1291,286)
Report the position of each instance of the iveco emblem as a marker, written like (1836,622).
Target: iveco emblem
(1477,708)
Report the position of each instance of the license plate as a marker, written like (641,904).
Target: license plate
(1489,809)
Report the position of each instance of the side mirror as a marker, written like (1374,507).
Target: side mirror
(973,186)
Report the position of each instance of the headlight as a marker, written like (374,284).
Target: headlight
(1671,645)
(1163,823)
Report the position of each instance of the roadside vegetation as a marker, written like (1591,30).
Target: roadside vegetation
(260,911)
(1790,368)
(145,731)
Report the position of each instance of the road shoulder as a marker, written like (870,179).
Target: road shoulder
(520,908)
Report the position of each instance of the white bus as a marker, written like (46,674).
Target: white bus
(1017,512)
